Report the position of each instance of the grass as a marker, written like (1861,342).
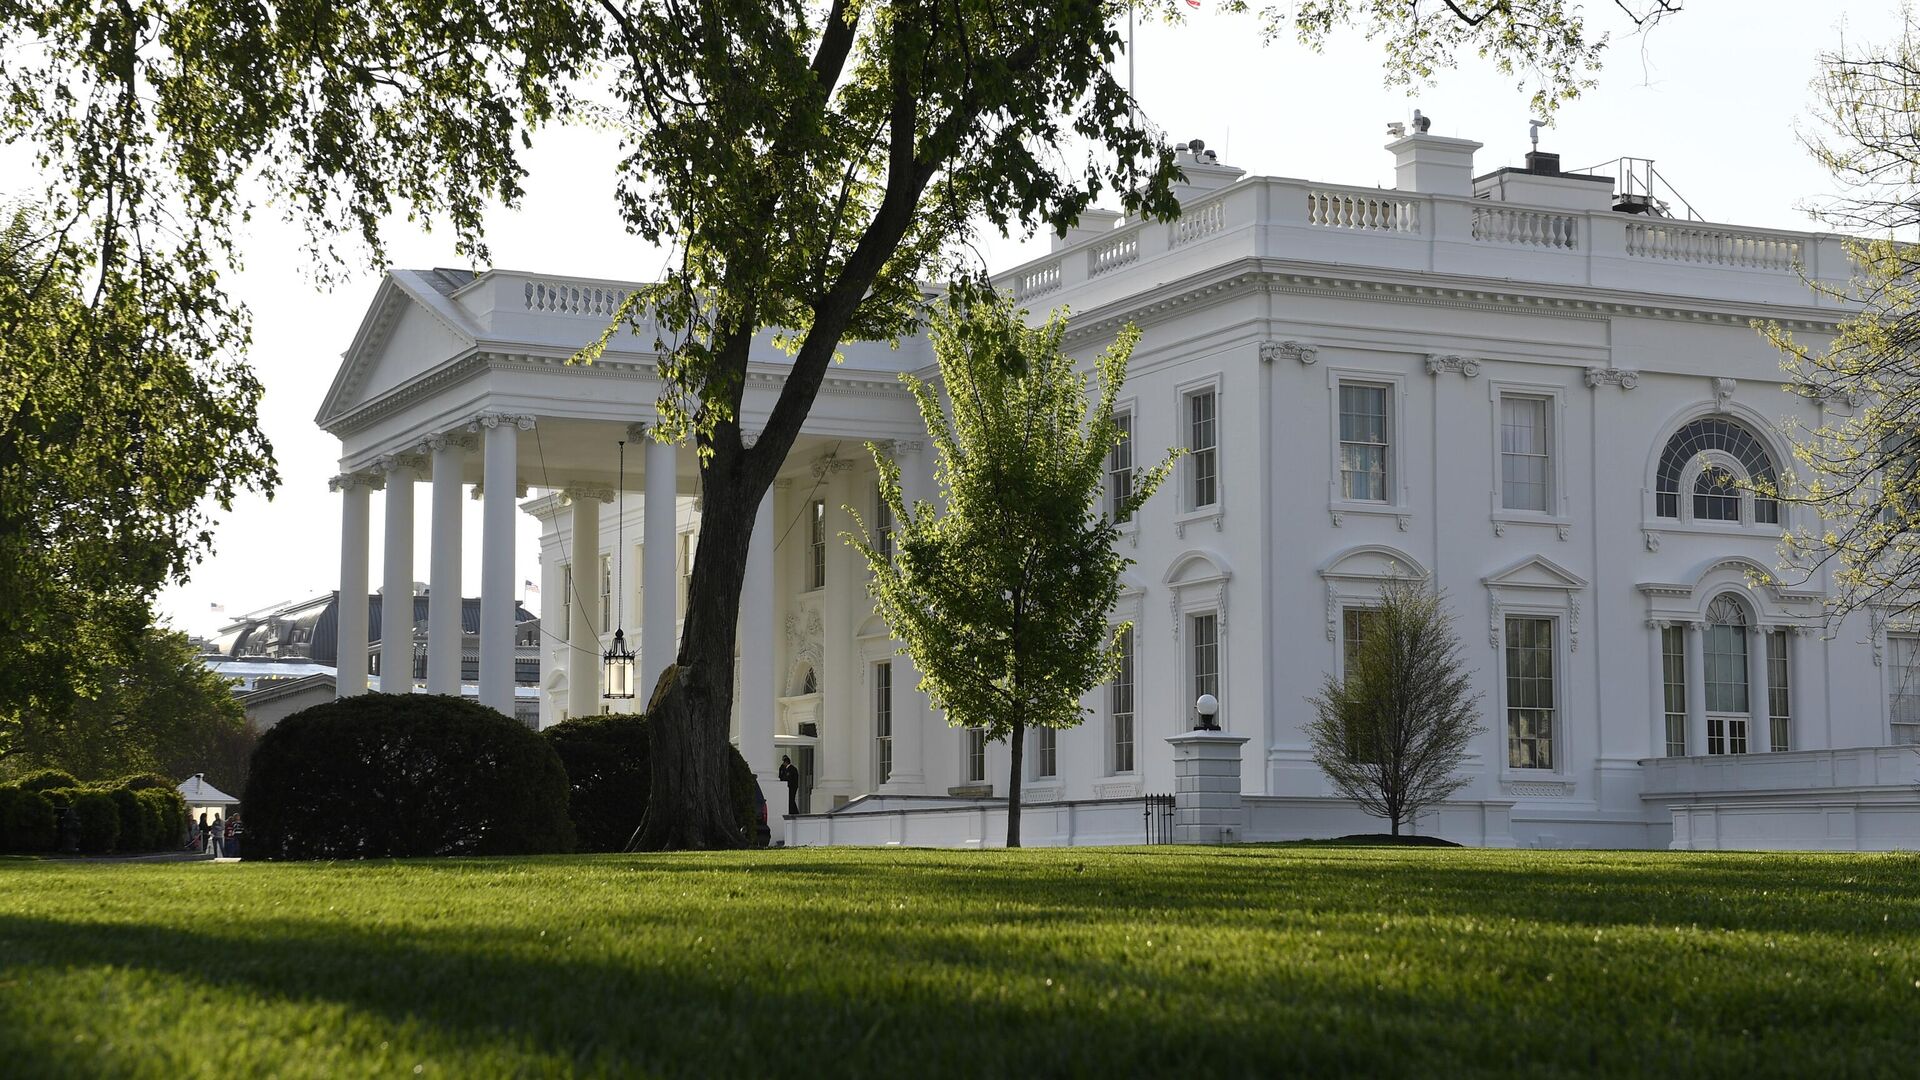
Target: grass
(1238,961)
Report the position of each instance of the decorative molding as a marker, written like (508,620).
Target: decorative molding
(1333,612)
(399,463)
(1404,521)
(1493,619)
(1538,789)
(1283,350)
(1723,392)
(640,432)
(1499,527)
(1173,606)
(349,481)
(480,489)
(1565,531)
(1653,540)
(1339,518)
(1624,378)
(1831,396)
(822,467)
(578,492)
(449,440)
(1573,622)
(490,420)
(1465,365)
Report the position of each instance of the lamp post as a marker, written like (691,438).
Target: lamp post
(1205,709)
(618,660)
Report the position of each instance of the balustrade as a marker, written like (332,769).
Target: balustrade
(1527,228)
(1373,213)
(1678,242)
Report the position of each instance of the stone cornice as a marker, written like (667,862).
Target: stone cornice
(1220,283)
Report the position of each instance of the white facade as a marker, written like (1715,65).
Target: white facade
(1473,381)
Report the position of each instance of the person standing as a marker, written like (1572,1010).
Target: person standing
(202,842)
(216,837)
(791,776)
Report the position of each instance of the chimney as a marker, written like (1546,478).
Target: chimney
(1201,171)
(1433,164)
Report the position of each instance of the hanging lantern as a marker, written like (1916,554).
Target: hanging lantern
(617,662)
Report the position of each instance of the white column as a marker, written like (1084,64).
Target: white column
(1696,690)
(350,648)
(1760,722)
(756,655)
(912,719)
(583,629)
(396,593)
(659,636)
(1656,630)
(553,637)
(501,481)
(444,629)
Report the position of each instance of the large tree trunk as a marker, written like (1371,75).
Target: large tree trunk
(1013,782)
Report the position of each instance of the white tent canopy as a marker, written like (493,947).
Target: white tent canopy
(197,792)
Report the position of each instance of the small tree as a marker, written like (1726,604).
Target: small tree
(1391,729)
(1002,598)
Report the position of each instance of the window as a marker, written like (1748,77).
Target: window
(1203,476)
(1530,703)
(976,755)
(1354,624)
(1046,743)
(1364,442)
(1726,664)
(606,590)
(883,720)
(1206,657)
(1525,461)
(1716,491)
(883,522)
(1120,469)
(817,544)
(1904,702)
(1673,679)
(1122,704)
(1779,698)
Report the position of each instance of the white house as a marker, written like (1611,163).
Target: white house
(1498,382)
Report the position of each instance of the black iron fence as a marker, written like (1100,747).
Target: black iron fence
(1156,812)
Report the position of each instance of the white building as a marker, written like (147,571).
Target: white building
(1498,382)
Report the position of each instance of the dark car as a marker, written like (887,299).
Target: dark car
(762,834)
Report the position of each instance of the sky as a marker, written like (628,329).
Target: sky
(1715,95)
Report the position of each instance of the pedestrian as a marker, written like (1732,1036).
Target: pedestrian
(791,775)
(202,842)
(216,837)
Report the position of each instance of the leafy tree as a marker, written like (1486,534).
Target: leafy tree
(1391,730)
(159,708)
(811,161)
(1860,465)
(1002,597)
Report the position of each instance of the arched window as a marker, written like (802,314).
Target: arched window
(1735,456)
(1726,686)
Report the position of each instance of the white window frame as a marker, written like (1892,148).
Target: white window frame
(1190,663)
(1125,411)
(606,589)
(1039,753)
(1398,485)
(566,600)
(1558,514)
(1210,383)
(1110,692)
(882,521)
(1556,746)
(882,706)
(1896,728)
(970,738)
(816,549)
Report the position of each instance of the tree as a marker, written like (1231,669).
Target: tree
(1390,731)
(1002,597)
(159,708)
(810,162)
(1860,465)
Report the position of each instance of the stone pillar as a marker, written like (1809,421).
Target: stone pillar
(1207,807)
(1760,718)
(350,642)
(912,718)
(1696,689)
(756,655)
(660,527)
(583,629)
(396,593)
(500,482)
(444,629)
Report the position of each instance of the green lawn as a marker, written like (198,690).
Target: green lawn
(1239,961)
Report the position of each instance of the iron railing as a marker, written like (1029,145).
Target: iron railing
(1156,814)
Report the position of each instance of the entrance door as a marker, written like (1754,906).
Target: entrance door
(803,760)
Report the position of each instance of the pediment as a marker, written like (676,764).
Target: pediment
(409,330)
(1536,572)
(1196,566)
(1373,562)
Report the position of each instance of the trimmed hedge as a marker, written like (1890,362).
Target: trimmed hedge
(610,769)
(47,780)
(26,821)
(401,775)
(99,820)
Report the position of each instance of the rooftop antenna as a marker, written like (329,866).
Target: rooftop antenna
(1421,123)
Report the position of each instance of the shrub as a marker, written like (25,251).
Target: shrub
(143,781)
(610,771)
(134,835)
(386,775)
(99,821)
(26,820)
(166,813)
(47,780)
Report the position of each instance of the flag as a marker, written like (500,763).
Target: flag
(217,609)
(1194,4)
(531,587)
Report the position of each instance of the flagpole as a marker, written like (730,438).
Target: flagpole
(1133,108)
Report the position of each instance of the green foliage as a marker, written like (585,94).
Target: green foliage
(1391,730)
(384,775)
(609,769)
(47,780)
(163,818)
(1003,597)
(99,820)
(1241,961)
(26,820)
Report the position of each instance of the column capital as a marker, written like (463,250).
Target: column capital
(828,464)
(585,493)
(449,440)
(899,448)
(351,480)
(489,420)
(480,489)
(404,463)
(640,432)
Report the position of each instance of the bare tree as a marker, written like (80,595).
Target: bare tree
(1391,729)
